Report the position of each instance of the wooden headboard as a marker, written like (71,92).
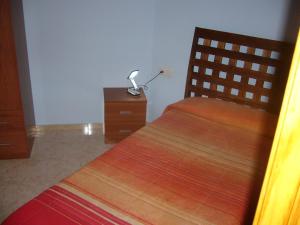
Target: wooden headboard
(243,69)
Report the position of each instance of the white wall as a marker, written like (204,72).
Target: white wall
(78,47)
(174,30)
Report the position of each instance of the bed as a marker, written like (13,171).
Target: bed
(201,162)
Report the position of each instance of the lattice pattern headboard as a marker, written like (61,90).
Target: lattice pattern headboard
(239,68)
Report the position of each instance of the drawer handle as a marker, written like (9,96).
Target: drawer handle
(4,145)
(3,123)
(124,131)
(125,113)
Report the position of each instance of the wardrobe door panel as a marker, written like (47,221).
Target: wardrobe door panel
(9,82)
(16,106)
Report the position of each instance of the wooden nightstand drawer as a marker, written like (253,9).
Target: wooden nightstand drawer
(125,112)
(122,128)
(117,132)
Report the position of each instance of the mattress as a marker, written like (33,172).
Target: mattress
(201,162)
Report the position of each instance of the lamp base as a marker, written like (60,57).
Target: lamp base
(133,91)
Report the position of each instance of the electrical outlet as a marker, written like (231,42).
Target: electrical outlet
(167,71)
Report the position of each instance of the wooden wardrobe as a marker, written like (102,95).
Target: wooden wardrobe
(16,105)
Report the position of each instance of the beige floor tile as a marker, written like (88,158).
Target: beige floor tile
(56,153)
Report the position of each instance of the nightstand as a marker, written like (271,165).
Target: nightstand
(123,113)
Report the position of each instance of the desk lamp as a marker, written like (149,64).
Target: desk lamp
(135,89)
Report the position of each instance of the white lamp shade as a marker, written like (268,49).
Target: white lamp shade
(133,74)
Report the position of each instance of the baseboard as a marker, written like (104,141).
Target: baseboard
(40,129)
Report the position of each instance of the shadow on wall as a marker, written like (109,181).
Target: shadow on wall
(292,22)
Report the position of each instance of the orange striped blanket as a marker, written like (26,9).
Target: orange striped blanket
(184,168)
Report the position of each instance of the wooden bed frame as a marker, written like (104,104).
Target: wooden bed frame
(239,68)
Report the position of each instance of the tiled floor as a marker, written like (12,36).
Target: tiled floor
(56,154)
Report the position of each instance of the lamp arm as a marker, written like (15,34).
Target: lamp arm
(133,83)
(160,72)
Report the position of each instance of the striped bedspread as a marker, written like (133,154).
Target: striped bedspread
(183,168)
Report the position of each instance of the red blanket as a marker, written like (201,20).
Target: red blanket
(187,167)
